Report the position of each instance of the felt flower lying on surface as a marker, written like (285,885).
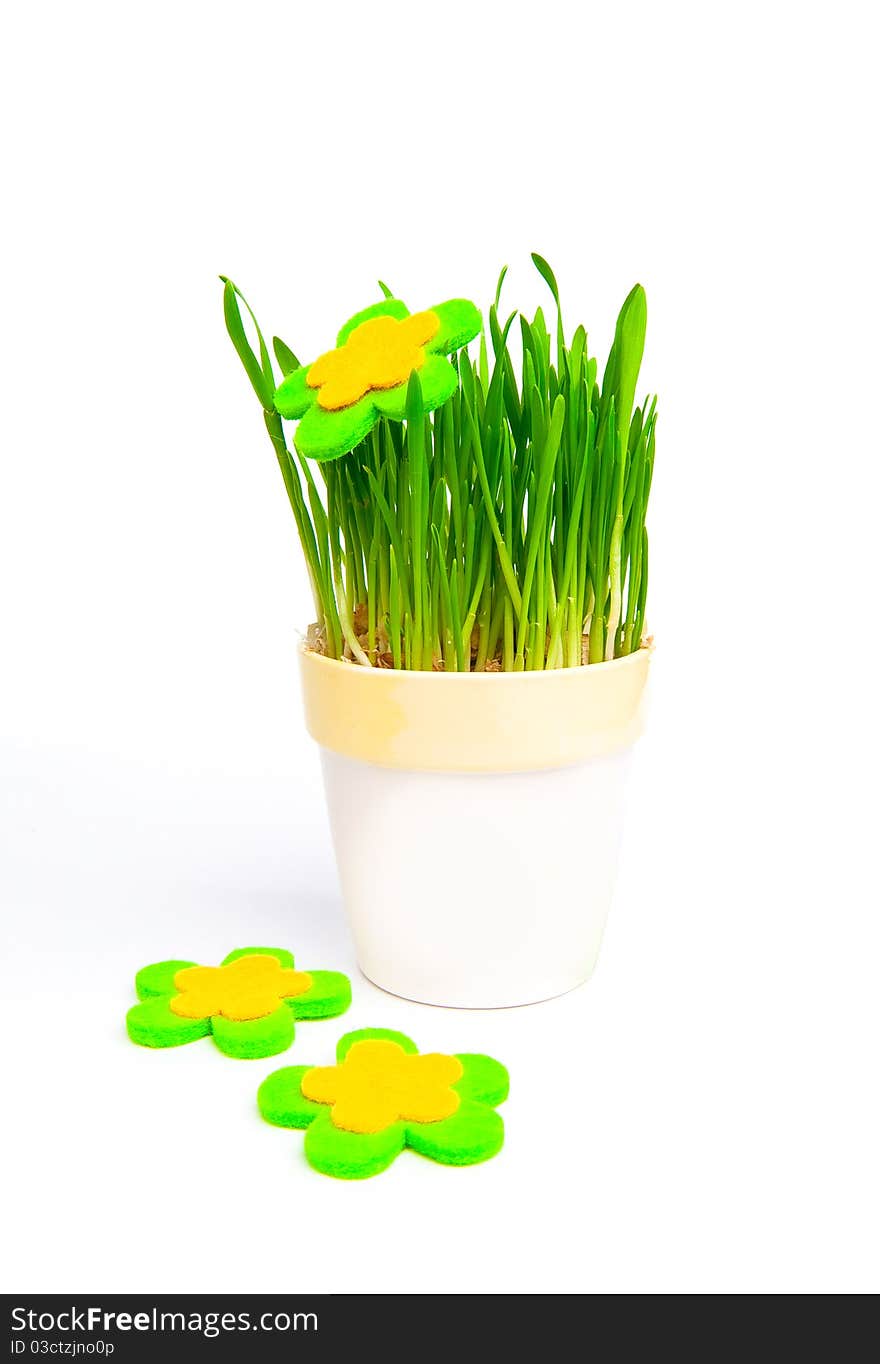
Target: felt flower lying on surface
(343,393)
(382,1096)
(248,1003)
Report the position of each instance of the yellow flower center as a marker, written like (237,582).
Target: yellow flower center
(379,1083)
(380,353)
(249,987)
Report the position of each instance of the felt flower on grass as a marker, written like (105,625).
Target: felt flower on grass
(381,1096)
(248,1003)
(341,396)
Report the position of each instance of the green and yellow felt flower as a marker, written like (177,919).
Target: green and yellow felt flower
(247,1004)
(342,394)
(382,1096)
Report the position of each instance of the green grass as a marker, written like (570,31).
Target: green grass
(504,532)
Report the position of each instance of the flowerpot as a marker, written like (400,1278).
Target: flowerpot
(476,820)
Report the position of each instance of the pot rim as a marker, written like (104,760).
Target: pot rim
(529,721)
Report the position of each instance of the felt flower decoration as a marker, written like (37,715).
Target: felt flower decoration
(341,396)
(247,1004)
(381,1096)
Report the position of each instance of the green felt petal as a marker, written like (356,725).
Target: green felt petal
(474,1133)
(328,995)
(484,1079)
(281,1101)
(293,397)
(250,1038)
(347,1041)
(438,380)
(285,957)
(389,307)
(351,1155)
(158,979)
(152,1024)
(460,322)
(390,402)
(327,435)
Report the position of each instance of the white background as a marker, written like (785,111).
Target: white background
(703,1116)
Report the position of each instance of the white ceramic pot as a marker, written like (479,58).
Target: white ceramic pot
(476,821)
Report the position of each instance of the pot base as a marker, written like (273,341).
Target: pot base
(476,890)
(456,1004)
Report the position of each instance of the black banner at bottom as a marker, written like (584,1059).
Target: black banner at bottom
(133,1327)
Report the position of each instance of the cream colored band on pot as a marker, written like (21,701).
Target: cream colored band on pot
(474,722)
